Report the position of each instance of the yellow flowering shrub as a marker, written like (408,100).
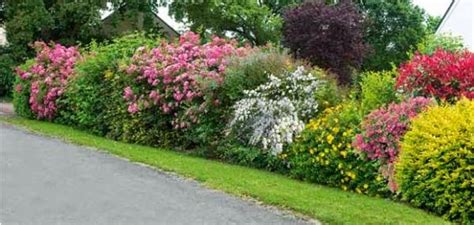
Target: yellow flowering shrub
(323,153)
(436,163)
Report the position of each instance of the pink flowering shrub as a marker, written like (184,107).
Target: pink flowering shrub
(383,129)
(180,79)
(48,77)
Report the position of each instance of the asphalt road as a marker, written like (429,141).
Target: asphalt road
(47,181)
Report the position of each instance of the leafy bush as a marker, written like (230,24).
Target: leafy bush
(21,94)
(271,115)
(447,42)
(180,82)
(383,129)
(93,99)
(48,77)
(435,166)
(247,73)
(443,75)
(323,153)
(377,90)
(7,74)
(313,31)
(251,157)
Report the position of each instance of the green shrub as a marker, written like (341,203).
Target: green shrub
(7,74)
(251,157)
(247,73)
(21,94)
(436,165)
(329,93)
(377,90)
(323,154)
(446,42)
(93,98)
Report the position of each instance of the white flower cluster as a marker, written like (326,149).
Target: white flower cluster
(274,113)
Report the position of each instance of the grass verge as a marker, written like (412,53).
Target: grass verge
(328,205)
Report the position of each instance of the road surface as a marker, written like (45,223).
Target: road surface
(47,181)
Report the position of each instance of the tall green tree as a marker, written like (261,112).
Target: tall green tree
(393,29)
(257,22)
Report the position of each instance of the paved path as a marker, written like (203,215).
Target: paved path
(46,181)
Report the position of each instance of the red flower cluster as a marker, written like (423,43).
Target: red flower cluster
(443,75)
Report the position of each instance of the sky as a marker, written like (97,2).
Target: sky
(433,7)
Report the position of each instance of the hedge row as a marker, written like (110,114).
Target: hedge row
(259,107)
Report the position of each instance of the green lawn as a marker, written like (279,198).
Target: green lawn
(328,205)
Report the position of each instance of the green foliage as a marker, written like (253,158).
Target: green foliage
(394,28)
(377,90)
(7,75)
(435,167)
(2,12)
(21,94)
(324,153)
(248,20)
(93,100)
(447,42)
(432,24)
(26,22)
(246,73)
(330,93)
(251,157)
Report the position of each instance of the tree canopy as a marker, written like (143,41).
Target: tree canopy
(257,22)
(394,28)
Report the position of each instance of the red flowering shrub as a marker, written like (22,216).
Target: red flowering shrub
(444,75)
(179,78)
(48,77)
(383,129)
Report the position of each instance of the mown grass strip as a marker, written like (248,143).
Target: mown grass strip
(329,205)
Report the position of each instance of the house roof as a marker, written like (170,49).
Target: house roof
(161,20)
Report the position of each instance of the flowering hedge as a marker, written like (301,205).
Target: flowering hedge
(383,129)
(48,77)
(323,153)
(179,78)
(275,112)
(445,75)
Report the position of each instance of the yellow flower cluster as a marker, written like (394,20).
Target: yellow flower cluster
(333,141)
(324,153)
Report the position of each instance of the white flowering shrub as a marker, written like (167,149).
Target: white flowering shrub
(275,112)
